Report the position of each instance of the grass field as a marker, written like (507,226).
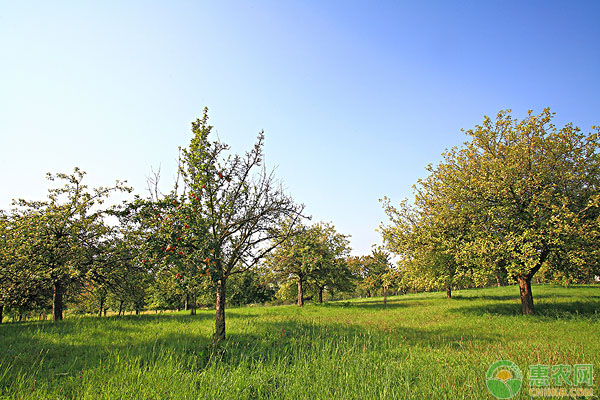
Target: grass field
(420,346)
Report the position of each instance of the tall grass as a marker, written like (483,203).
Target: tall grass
(420,346)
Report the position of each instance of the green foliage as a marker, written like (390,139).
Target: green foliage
(313,255)
(534,193)
(59,243)
(248,288)
(373,272)
(518,197)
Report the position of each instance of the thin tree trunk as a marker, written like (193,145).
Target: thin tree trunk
(300,294)
(448,292)
(191,304)
(526,295)
(1,312)
(321,295)
(368,293)
(101,306)
(105,310)
(57,302)
(385,295)
(186,302)
(220,308)
(120,307)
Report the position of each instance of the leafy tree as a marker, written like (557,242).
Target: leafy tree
(330,252)
(314,254)
(237,209)
(165,292)
(249,288)
(22,289)
(518,197)
(373,272)
(60,239)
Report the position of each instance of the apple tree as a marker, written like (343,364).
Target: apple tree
(235,210)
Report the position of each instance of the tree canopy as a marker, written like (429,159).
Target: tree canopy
(518,196)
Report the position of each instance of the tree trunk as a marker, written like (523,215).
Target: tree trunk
(448,292)
(191,303)
(105,310)
(220,317)
(101,306)
(120,307)
(321,295)
(186,302)
(384,295)
(300,294)
(498,281)
(57,302)
(526,295)
(368,293)
(1,311)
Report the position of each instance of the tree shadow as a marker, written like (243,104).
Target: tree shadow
(515,296)
(554,310)
(485,297)
(76,324)
(369,304)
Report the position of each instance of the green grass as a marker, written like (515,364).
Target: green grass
(420,346)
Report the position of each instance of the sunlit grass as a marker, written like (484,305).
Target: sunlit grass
(419,346)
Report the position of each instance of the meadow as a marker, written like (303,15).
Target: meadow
(418,346)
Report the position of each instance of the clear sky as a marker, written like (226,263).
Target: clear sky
(355,98)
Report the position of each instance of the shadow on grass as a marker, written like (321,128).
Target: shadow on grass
(515,296)
(572,309)
(295,340)
(369,304)
(74,325)
(485,297)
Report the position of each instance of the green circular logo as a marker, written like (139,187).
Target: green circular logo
(504,379)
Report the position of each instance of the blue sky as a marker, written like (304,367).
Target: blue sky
(355,98)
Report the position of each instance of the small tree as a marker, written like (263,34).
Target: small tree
(313,254)
(330,252)
(373,272)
